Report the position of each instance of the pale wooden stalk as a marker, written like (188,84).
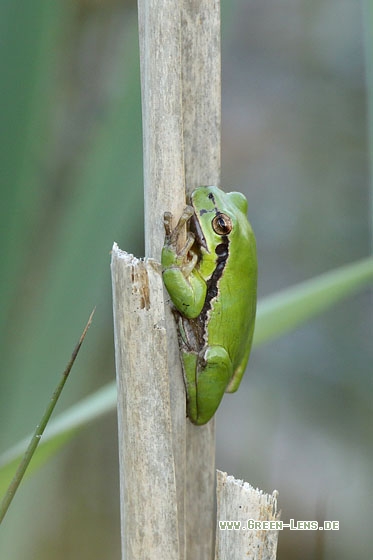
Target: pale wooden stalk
(238,501)
(164,186)
(149,522)
(201,89)
(167,465)
(180,71)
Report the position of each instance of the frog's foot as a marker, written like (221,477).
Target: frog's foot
(173,234)
(206,382)
(173,255)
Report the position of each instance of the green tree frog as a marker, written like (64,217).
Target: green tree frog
(212,283)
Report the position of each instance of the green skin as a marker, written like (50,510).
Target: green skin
(212,283)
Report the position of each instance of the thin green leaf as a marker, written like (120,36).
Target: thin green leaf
(283,312)
(277,315)
(39,430)
(59,431)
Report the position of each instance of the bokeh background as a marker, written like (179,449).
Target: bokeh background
(295,141)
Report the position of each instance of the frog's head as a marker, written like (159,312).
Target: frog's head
(219,220)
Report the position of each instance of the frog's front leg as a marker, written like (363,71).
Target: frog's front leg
(206,380)
(184,284)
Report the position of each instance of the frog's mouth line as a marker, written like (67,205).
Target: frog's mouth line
(195,228)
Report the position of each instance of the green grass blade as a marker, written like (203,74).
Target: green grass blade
(283,312)
(277,315)
(39,430)
(59,431)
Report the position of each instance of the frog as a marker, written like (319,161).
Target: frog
(212,282)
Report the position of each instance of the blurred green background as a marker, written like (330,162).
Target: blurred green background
(295,141)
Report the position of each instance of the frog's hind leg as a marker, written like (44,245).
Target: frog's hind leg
(206,382)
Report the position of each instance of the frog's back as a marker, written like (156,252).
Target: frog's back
(232,311)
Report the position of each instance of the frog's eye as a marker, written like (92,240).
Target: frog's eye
(222,224)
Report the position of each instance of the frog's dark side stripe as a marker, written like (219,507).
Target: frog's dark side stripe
(194,329)
(222,252)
